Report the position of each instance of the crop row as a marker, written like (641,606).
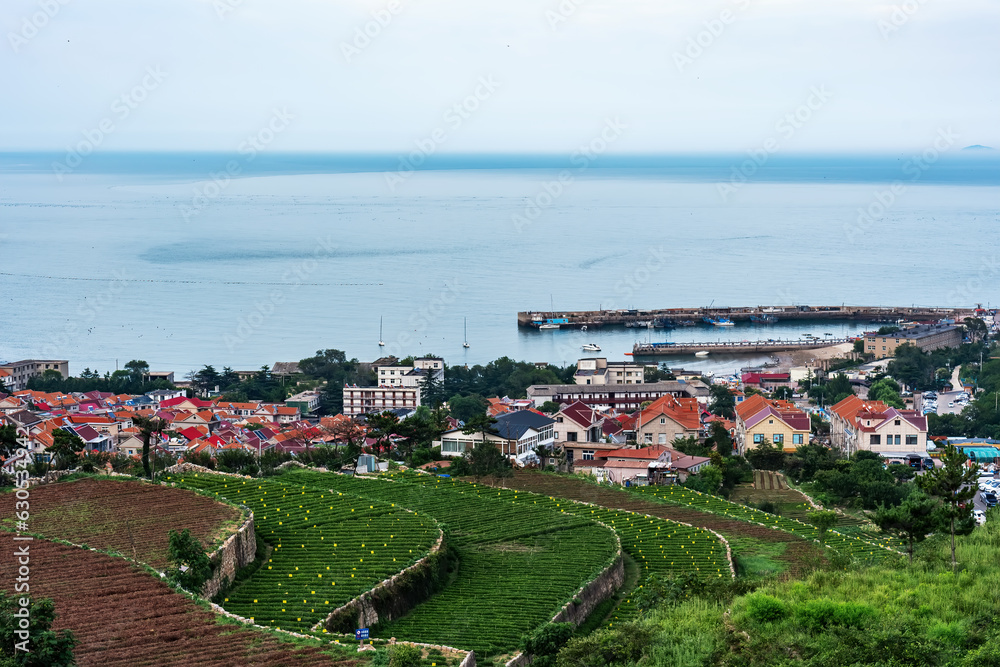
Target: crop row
(519,561)
(868,548)
(329,547)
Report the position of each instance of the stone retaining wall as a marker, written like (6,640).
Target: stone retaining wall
(238,551)
(597,591)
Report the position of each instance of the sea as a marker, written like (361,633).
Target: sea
(243,260)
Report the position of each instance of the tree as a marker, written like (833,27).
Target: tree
(722,401)
(708,480)
(481,424)
(690,445)
(64,448)
(886,390)
(719,439)
(977,329)
(8,440)
(147,427)
(43,648)
(859,346)
(193,566)
(464,408)
(954,484)
(783,393)
(206,379)
(824,520)
(485,460)
(544,644)
(381,427)
(765,456)
(911,520)
(137,370)
(549,407)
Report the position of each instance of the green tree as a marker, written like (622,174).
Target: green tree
(8,440)
(482,424)
(691,446)
(64,448)
(148,426)
(977,328)
(549,407)
(43,647)
(721,401)
(464,408)
(765,456)
(137,370)
(545,643)
(886,390)
(708,480)
(911,520)
(192,565)
(404,655)
(954,484)
(485,460)
(381,427)
(824,520)
(783,394)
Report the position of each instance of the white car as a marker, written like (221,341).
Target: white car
(979,516)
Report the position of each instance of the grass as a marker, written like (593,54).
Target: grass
(757,558)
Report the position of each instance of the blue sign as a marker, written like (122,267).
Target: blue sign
(361,633)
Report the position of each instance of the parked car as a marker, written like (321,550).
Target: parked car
(988,497)
(979,516)
(928,463)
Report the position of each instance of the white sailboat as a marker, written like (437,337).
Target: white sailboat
(466,343)
(381,343)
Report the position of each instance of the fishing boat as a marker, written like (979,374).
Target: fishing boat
(763,319)
(591,347)
(381,343)
(724,322)
(702,353)
(466,343)
(686,323)
(548,326)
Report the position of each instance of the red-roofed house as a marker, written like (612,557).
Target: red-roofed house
(876,427)
(766,381)
(667,419)
(759,419)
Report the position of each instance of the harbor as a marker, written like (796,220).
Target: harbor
(705,349)
(728,316)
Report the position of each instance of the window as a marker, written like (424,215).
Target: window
(874,440)
(778,438)
(648,437)
(588,455)
(797,438)
(758,438)
(896,423)
(663,420)
(911,439)
(571,436)
(896,442)
(662,439)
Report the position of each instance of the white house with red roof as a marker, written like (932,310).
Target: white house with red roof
(876,427)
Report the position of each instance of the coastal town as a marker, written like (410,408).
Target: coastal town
(619,421)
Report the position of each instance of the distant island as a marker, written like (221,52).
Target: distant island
(978,147)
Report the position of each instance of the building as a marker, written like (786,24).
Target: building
(926,337)
(766,381)
(398,387)
(872,425)
(623,399)
(161,375)
(760,420)
(516,434)
(668,418)
(20,372)
(597,370)
(305,401)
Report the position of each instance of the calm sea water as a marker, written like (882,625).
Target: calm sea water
(182,261)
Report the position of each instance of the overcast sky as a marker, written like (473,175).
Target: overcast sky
(533,75)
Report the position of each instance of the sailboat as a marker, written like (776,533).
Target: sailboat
(381,343)
(466,343)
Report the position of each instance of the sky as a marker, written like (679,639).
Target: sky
(510,76)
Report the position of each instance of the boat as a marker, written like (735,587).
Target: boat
(828,334)
(381,343)
(763,319)
(548,326)
(591,347)
(466,343)
(702,353)
(724,322)
(686,323)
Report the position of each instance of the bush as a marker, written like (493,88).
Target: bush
(623,644)
(817,615)
(47,648)
(765,608)
(404,655)
(544,643)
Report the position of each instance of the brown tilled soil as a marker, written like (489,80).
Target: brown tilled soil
(797,555)
(124,617)
(120,515)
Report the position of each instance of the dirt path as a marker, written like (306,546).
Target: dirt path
(798,553)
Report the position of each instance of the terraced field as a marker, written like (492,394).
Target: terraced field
(658,546)
(130,517)
(520,561)
(329,547)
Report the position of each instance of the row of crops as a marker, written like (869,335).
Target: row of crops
(519,562)
(329,547)
(659,546)
(868,548)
